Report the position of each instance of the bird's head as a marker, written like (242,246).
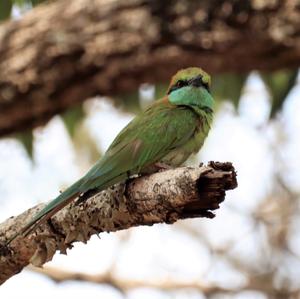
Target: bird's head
(192,76)
(191,86)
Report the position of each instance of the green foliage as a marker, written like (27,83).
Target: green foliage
(7,5)
(130,102)
(27,139)
(228,86)
(279,84)
(85,145)
(22,3)
(5,9)
(83,142)
(72,118)
(160,90)
(36,2)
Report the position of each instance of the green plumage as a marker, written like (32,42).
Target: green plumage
(167,132)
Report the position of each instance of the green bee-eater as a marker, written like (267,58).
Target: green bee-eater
(166,133)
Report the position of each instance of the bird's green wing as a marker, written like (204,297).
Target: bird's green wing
(145,140)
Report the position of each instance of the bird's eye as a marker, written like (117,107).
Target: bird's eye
(177,85)
(180,83)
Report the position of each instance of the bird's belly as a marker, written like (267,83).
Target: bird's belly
(179,155)
(173,159)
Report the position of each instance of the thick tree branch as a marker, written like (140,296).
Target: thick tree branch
(61,53)
(161,197)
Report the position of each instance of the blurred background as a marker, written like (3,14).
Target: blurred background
(251,249)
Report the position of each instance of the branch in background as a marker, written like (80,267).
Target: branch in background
(163,197)
(258,283)
(125,285)
(52,61)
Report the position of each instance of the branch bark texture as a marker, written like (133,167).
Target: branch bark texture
(163,197)
(61,53)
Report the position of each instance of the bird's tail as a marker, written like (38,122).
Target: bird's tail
(49,210)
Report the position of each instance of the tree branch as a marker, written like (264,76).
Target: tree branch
(161,197)
(254,283)
(125,285)
(51,60)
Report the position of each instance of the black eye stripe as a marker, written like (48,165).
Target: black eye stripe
(178,84)
(196,81)
(181,83)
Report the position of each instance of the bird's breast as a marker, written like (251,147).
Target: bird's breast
(179,155)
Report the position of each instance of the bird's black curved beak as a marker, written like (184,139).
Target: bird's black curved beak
(198,82)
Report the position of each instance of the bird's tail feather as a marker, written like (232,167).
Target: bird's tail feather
(49,210)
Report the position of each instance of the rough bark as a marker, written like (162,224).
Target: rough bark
(62,53)
(161,197)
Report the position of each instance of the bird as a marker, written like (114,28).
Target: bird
(162,136)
